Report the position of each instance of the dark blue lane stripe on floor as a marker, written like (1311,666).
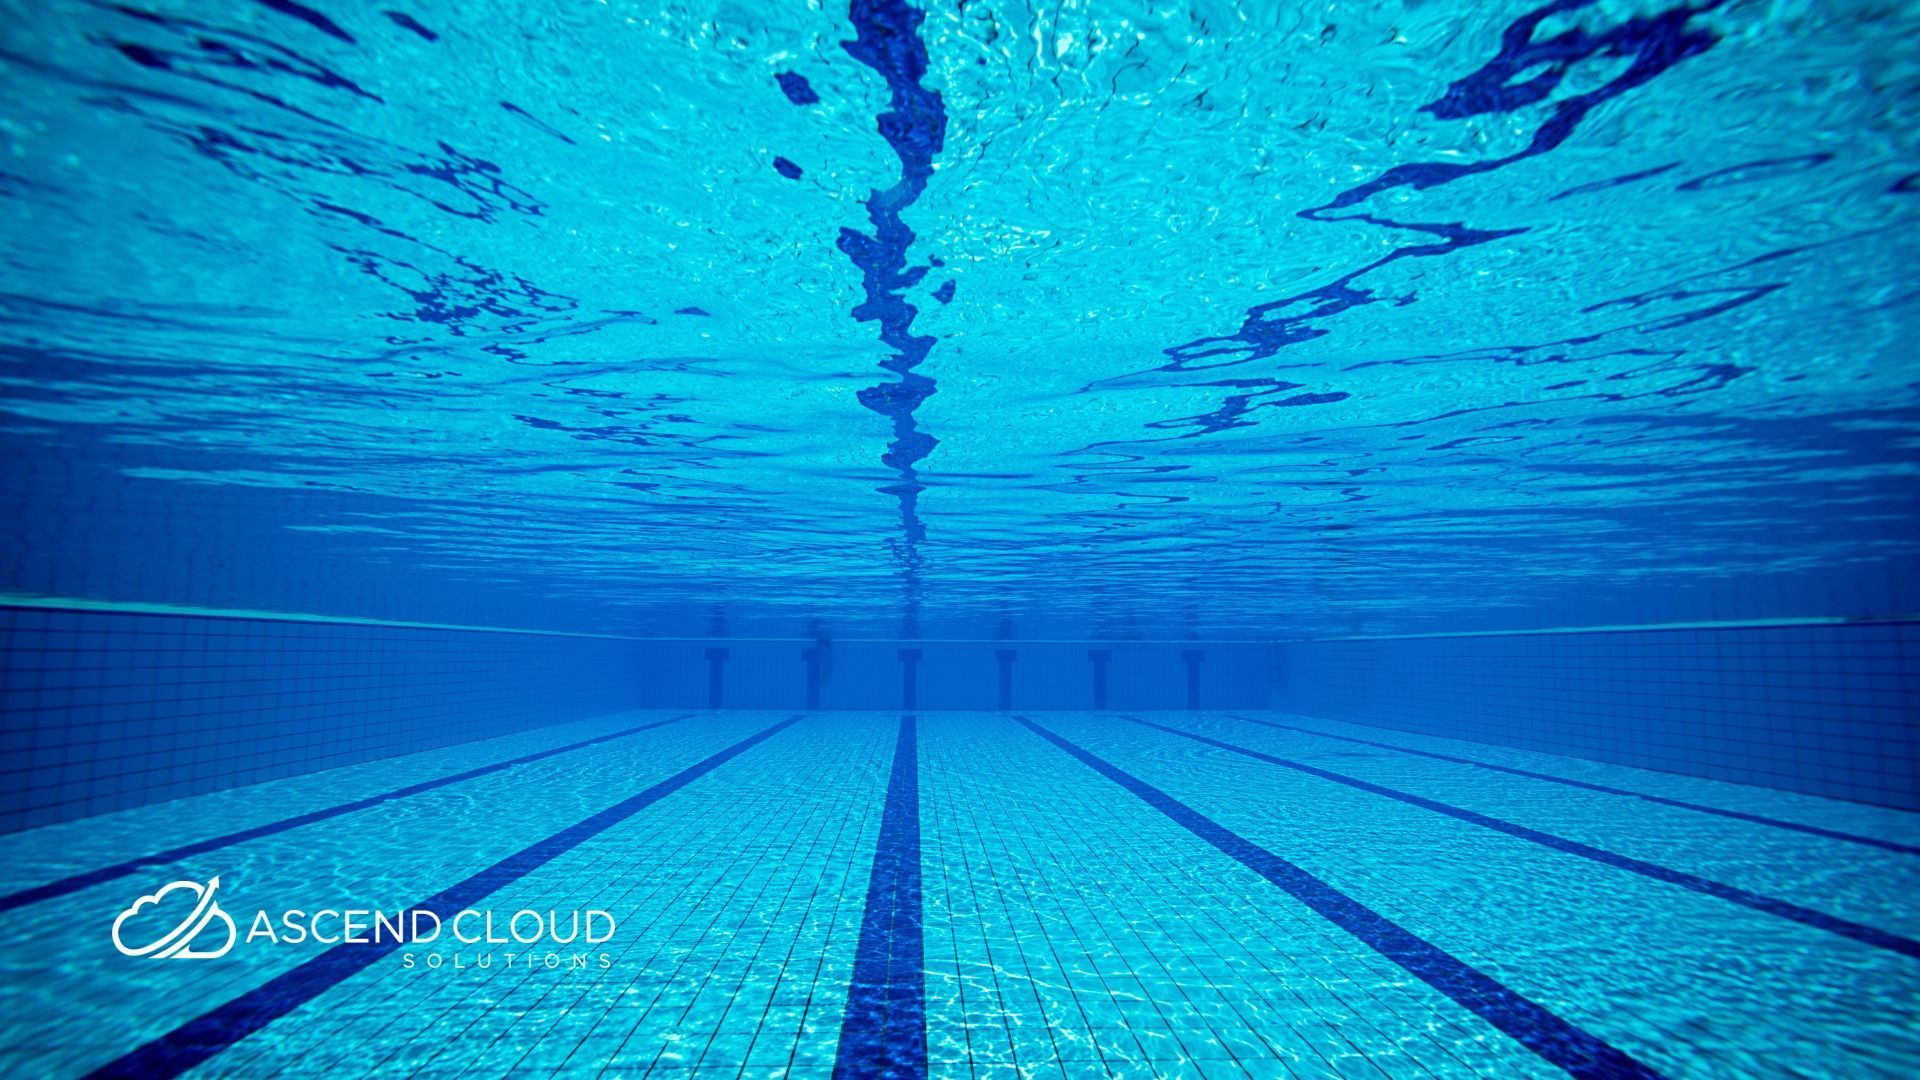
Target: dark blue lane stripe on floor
(1819,920)
(68,885)
(1757,819)
(1530,1023)
(885,1031)
(208,1034)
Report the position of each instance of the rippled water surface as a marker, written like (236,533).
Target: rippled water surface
(1326,316)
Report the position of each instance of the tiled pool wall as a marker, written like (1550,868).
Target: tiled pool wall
(105,710)
(101,711)
(1829,710)
(968,675)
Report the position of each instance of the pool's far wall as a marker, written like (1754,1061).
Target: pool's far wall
(108,710)
(965,675)
(104,710)
(1830,710)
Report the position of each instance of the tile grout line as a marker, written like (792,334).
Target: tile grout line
(201,1038)
(1819,920)
(1737,815)
(1555,1039)
(74,883)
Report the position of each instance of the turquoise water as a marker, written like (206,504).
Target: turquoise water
(401,407)
(1356,319)
(1070,927)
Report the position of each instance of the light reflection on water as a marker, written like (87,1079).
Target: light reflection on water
(1359,320)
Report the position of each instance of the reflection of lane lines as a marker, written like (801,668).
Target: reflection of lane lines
(208,1034)
(1819,920)
(1737,815)
(915,128)
(68,885)
(1555,1039)
(1650,43)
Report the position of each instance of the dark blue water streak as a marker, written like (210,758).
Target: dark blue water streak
(1653,43)
(915,126)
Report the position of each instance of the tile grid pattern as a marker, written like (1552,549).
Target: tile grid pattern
(1583,938)
(1827,711)
(375,858)
(109,711)
(739,900)
(1070,930)
(1090,937)
(1043,675)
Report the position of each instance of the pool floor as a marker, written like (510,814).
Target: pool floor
(987,895)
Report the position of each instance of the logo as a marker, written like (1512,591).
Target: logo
(176,943)
(177,923)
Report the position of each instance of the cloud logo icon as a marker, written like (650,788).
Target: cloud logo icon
(177,943)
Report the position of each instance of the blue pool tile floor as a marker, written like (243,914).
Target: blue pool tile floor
(989,895)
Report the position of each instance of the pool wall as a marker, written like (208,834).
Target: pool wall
(1825,710)
(938,675)
(109,710)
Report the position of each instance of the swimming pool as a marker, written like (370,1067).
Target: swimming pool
(1196,894)
(979,539)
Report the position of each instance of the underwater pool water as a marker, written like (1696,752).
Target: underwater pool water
(976,538)
(1251,319)
(1195,894)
